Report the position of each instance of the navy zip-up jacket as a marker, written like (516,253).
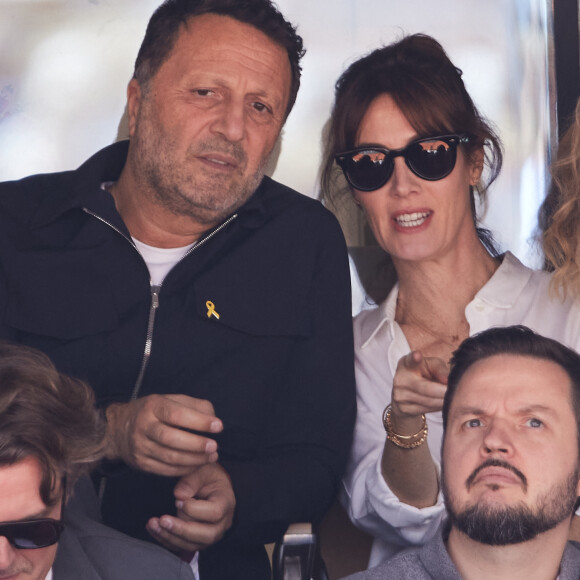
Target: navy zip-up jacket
(277,364)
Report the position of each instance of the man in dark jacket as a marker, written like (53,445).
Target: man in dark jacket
(207,305)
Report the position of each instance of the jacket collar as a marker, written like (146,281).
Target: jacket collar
(435,558)
(82,187)
(72,560)
(253,214)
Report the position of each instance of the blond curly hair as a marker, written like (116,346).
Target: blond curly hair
(560,214)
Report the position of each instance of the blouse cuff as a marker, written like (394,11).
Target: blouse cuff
(414,525)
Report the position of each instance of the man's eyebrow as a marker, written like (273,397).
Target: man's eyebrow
(35,516)
(537,408)
(523,410)
(256,94)
(466,410)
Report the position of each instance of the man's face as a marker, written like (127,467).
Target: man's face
(510,452)
(202,130)
(20,500)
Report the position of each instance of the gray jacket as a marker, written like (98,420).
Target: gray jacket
(88,550)
(432,562)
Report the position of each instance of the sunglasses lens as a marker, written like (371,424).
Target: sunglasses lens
(432,160)
(367,170)
(33,534)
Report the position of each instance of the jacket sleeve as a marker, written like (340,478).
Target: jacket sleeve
(295,474)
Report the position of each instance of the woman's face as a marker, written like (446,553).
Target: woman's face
(411,218)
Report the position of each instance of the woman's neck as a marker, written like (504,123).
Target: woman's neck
(433,296)
(442,286)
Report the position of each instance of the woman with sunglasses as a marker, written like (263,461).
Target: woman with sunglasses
(413,147)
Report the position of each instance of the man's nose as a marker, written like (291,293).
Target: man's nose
(231,121)
(8,556)
(497,439)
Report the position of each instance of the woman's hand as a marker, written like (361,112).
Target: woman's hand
(419,386)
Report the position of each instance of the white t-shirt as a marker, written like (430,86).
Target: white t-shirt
(160,260)
(514,295)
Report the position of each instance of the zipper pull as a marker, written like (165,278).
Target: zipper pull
(155,296)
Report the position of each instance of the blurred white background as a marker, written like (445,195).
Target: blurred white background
(64,66)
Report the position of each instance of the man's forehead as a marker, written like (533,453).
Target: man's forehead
(223,47)
(20,491)
(528,380)
(211,29)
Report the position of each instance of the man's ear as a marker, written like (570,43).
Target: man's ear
(476,169)
(134,96)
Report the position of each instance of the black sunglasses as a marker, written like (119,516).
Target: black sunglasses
(368,168)
(32,534)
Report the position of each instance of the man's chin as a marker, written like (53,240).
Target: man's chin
(501,525)
(209,217)
(497,496)
(212,207)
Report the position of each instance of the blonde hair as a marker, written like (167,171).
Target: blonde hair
(560,214)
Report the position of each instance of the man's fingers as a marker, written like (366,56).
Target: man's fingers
(209,511)
(170,464)
(179,440)
(177,534)
(202,511)
(186,413)
(206,494)
(164,534)
(202,405)
(154,433)
(205,510)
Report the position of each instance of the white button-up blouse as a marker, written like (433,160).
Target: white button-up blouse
(514,295)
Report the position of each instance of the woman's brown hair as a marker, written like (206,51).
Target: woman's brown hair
(419,76)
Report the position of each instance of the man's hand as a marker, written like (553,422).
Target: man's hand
(151,433)
(205,511)
(419,385)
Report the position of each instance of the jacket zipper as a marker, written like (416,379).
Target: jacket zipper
(155,290)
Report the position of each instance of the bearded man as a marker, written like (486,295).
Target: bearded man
(510,464)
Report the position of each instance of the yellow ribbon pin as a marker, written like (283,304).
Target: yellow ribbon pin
(211,310)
